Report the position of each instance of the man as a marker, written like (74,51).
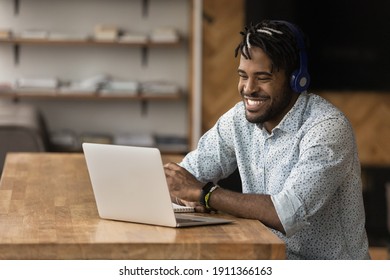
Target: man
(295,152)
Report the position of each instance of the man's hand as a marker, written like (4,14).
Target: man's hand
(197,206)
(182,184)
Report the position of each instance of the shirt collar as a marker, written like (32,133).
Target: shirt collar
(292,121)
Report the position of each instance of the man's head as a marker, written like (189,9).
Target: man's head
(270,55)
(284,43)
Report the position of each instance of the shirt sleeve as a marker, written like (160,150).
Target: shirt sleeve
(214,157)
(327,154)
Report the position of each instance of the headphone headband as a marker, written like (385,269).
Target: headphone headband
(300,78)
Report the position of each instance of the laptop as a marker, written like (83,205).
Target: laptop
(129,184)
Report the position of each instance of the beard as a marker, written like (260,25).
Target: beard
(272,109)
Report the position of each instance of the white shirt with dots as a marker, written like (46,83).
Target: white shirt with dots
(308,164)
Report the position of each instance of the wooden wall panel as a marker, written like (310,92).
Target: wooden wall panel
(369,113)
(223,20)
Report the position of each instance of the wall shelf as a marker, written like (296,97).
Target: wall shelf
(87,42)
(18,41)
(145,7)
(90,96)
(159,51)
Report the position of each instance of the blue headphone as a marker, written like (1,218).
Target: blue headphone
(300,78)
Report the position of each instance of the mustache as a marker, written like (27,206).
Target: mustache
(254,94)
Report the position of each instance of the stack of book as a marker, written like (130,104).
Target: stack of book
(159,88)
(89,85)
(58,36)
(34,34)
(37,85)
(126,88)
(135,38)
(104,32)
(164,35)
(5,33)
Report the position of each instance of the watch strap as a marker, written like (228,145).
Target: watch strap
(205,190)
(206,194)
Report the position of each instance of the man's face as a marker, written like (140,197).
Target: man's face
(265,91)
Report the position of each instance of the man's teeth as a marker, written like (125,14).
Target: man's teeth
(254,102)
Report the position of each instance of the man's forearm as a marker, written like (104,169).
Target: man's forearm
(251,206)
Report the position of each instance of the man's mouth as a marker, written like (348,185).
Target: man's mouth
(253,104)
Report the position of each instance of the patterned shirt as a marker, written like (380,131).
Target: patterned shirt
(308,164)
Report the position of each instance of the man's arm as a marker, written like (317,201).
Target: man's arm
(251,206)
(184,185)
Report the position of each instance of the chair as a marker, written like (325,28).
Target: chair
(22,129)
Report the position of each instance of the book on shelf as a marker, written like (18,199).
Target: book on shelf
(106,32)
(133,38)
(58,36)
(158,88)
(121,88)
(77,88)
(34,34)
(164,35)
(5,33)
(90,85)
(96,80)
(35,91)
(47,83)
(36,85)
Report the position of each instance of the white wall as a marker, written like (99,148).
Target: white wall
(79,62)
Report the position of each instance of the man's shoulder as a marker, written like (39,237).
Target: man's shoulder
(319,109)
(321,115)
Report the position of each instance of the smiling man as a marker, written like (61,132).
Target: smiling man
(266,94)
(295,152)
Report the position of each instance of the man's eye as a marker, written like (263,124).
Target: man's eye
(263,78)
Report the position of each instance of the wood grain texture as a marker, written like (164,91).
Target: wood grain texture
(369,113)
(47,211)
(221,27)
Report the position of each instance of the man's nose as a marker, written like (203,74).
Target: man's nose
(250,86)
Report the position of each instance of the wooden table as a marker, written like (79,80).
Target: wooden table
(48,211)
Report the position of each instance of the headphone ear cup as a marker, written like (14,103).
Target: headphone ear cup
(299,81)
(300,78)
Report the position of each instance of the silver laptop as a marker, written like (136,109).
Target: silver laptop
(129,184)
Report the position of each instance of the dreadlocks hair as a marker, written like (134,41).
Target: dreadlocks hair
(275,39)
